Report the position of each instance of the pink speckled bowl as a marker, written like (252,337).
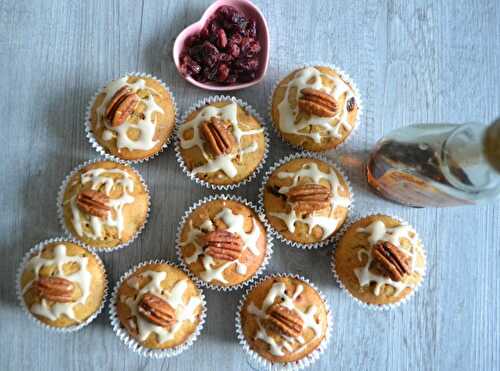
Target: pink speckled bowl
(251,11)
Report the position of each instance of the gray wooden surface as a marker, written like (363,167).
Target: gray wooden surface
(414,61)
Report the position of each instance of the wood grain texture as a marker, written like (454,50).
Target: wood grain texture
(418,61)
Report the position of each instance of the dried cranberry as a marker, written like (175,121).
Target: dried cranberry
(221,38)
(249,47)
(222,72)
(247,65)
(196,52)
(251,30)
(231,79)
(210,73)
(245,77)
(191,40)
(234,51)
(210,55)
(224,57)
(233,20)
(189,66)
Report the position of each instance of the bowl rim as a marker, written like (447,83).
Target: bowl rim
(177,48)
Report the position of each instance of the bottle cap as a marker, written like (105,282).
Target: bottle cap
(492,144)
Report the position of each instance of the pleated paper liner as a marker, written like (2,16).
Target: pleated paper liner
(100,149)
(207,101)
(345,77)
(19,290)
(276,234)
(130,341)
(60,206)
(198,280)
(258,362)
(363,304)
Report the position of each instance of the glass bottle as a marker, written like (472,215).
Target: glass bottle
(437,165)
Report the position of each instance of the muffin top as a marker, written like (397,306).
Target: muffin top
(315,108)
(223,242)
(380,260)
(159,306)
(284,319)
(105,204)
(306,200)
(221,143)
(133,117)
(63,284)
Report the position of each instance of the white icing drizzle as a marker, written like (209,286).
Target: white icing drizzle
(327,223)
(377,231)
(235,224)
(146,125)
(99,177)
(332,125)
(286,345)
(174,297)
(223,162)
(82,278)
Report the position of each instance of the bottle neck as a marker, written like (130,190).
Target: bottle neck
(469,164)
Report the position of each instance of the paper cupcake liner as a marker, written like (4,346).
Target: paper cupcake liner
(344,76)
(199,281)
(210,100)
(19,290)
(260,362)
(376,307)
(60,206)
(100,149)
(276,234)
(131,342)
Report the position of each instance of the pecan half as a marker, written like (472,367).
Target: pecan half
(309,197)
(392,260)
(156,310)
(316,102)
(285,320)
(93,203)
(222,244)
(121,106)
(220,139)
(56,289)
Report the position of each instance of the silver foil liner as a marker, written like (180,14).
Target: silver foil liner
(376,307)
(131,342)
(344,76)
(19,290)
(259,362)
(60,206)
(214,99)
(199,281)
(100,149)
(272,169)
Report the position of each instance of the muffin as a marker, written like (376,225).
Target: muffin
(62,284)
(132,118)
(159,307)
(283,319)
(380,260)
(305,200)
(222,242)
(104,204)
(221,143)
(315,108)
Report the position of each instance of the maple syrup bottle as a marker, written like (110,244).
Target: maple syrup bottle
(437,165)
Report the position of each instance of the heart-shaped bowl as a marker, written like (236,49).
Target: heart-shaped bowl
(248,9)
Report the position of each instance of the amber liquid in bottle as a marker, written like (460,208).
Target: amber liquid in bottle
(434,165)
